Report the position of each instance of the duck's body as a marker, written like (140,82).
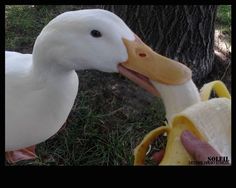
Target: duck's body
(38,101)
(41,88)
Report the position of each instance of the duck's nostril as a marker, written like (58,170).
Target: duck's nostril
(142,54)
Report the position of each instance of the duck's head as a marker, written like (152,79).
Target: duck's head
(98,39)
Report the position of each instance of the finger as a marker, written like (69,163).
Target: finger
(199,150)
(157,156)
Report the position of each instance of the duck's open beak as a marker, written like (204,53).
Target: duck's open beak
(144,64)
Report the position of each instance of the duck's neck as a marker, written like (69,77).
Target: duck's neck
(177,98)
(45,68)
(49,61)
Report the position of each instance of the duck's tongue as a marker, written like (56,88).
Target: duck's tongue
(139,79)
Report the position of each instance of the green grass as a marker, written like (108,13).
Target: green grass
(224,14)
(23,24)
(223,19)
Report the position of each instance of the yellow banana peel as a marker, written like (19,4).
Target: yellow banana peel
(209,120)
(218,86)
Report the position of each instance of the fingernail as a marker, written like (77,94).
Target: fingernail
(187,135)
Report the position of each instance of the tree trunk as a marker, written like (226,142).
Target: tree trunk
(183,33)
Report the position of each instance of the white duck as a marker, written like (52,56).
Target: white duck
(41,88)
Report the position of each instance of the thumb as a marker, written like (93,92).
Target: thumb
(198,149)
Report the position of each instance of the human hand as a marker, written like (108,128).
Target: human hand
(198,149)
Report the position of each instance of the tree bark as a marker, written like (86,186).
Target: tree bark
(183,33)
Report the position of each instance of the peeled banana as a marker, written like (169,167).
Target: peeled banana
(209,120)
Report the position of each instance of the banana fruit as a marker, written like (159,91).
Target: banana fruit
(209,120)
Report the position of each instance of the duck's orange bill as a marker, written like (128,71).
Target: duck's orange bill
(144,64)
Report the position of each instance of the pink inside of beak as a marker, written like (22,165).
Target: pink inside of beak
(139,79)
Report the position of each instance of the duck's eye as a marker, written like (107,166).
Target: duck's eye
(96,33)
